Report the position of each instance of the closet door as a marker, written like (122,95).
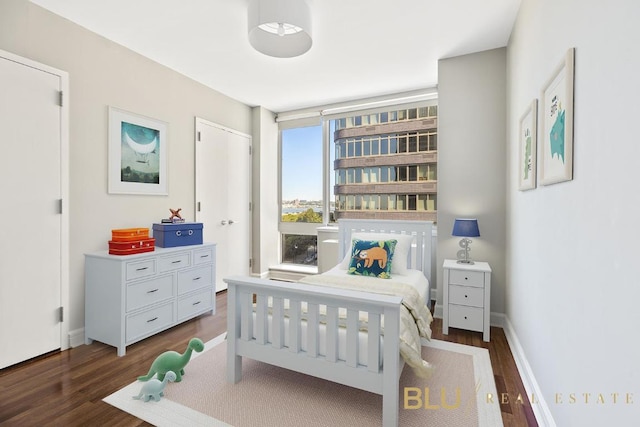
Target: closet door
(223,196)
(31,246)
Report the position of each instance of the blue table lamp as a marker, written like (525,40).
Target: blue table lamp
(465,228)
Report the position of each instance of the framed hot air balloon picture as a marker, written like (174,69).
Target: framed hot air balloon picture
(137,154)
(556,119)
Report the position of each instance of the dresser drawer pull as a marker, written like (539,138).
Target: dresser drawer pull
(465,317)
(176,262)
(151,320)
(197,302)
(152,291)
(142,268)
(197,278)
(204,256)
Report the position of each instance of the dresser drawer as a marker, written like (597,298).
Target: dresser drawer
(150,321)
(191,305)
(466,278)
(147,292)
(174,262)
(203,256)
(140,269)
(466,295)
(195,278)
(465,317)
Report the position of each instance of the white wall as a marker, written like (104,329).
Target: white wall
(102,73)
(471,160)
(572,270)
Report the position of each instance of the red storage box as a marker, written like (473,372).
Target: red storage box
(132,247)
(129,234)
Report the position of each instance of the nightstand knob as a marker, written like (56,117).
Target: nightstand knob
(466,278)
(465,317)
(466,296)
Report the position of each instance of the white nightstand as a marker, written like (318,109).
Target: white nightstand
(467,296)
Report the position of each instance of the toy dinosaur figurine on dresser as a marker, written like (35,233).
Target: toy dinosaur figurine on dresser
(173,361)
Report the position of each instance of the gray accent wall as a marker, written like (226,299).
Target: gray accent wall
(472,161)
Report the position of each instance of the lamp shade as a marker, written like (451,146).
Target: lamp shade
(280,28)
(465,228)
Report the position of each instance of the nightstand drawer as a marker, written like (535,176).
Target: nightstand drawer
(466,278)
(466,295)
(465,317)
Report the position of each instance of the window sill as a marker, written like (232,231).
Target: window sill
(291,272)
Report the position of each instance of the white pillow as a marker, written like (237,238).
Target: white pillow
(400,259)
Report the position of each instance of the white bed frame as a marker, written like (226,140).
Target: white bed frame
(376,377)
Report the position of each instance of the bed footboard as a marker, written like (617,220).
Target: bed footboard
(248,336)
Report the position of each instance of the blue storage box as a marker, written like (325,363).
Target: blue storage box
(180,234)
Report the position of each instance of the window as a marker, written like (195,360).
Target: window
(301,193)
(376,164)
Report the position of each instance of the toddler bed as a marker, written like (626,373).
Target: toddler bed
(347,328)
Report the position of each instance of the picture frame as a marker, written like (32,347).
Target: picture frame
(527,147)
(137,154)
(556,119)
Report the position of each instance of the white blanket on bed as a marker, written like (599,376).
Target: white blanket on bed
(415,317)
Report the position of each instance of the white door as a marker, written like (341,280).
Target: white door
(223,196)
(31,249)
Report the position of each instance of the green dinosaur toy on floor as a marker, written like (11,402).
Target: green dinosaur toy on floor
(173,361)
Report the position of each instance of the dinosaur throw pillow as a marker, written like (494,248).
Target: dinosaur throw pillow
(372,257)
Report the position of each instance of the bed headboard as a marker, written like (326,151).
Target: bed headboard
(420,256)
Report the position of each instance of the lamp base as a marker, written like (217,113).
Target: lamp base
(463,254)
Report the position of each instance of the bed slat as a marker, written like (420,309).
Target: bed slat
(295,334)
(277,340)
(262,324)
(373,344)
(332,333)
(313,330)
(352,337)
(246,310)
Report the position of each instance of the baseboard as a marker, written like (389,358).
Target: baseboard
(539,406)
(76,337)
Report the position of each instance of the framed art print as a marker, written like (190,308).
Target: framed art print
(556,116)
(137,154)
(527,145)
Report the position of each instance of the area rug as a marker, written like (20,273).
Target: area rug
(458,394)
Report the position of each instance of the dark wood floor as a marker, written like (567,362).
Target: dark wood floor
(67,388)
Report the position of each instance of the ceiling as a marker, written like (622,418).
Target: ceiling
(361,48)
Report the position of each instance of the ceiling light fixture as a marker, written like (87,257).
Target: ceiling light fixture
(280,28)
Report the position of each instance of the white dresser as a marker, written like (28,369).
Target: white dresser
(131,297)
(467,297)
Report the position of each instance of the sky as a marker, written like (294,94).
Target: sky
(302,163)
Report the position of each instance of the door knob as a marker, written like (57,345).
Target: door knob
(223,222)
